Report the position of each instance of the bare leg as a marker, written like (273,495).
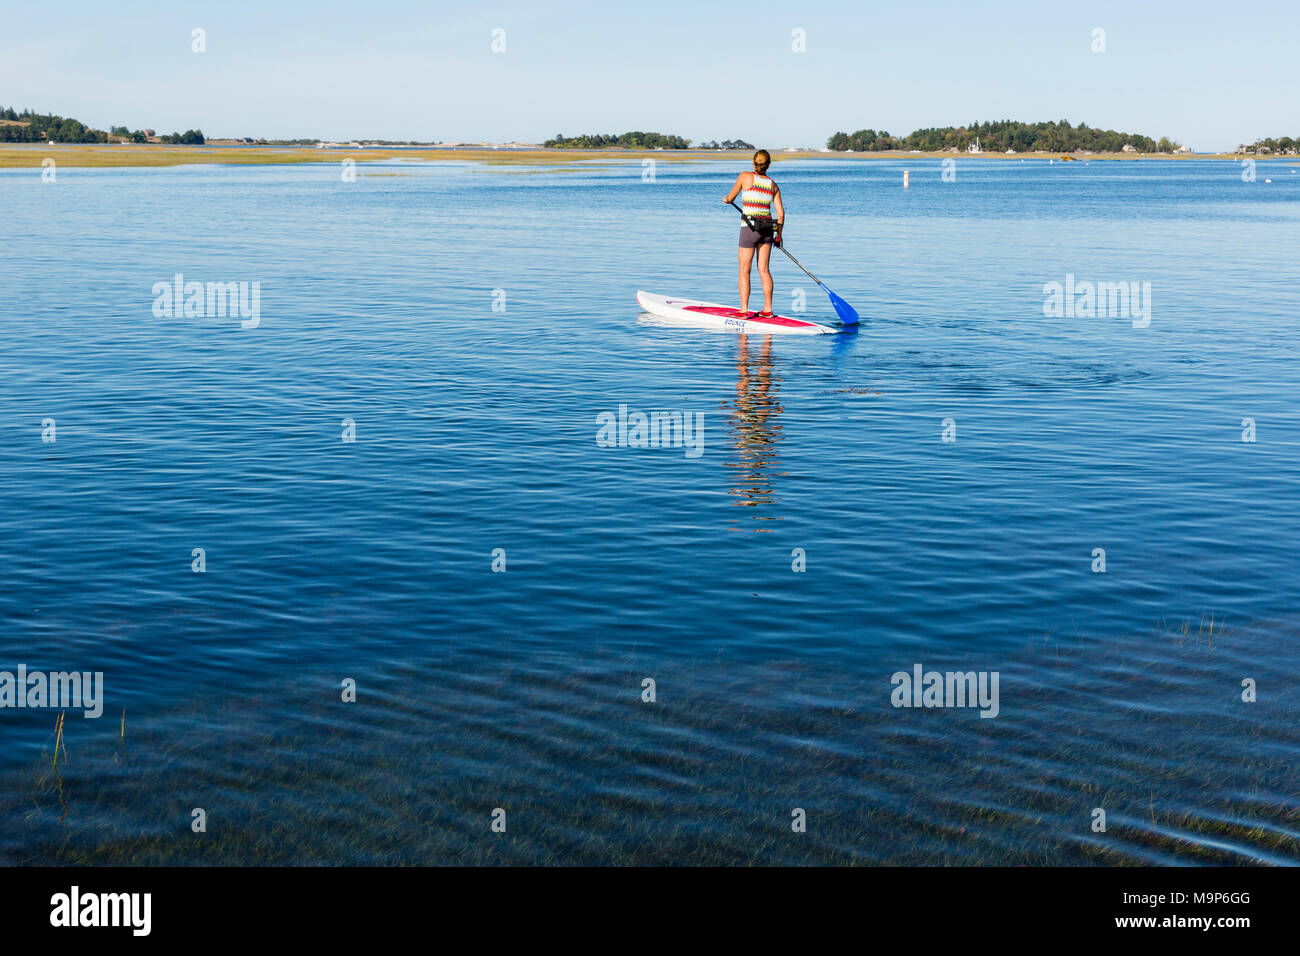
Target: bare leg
(746,257)
(764,276)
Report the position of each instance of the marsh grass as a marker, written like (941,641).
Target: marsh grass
(144,155)
(1147,729)
(111,156)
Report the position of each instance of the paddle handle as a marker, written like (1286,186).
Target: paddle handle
(749,222)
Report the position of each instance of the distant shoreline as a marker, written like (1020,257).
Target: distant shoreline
(22,156)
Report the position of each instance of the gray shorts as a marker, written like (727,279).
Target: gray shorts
(753,238)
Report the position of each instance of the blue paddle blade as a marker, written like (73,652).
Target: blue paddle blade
(845,311)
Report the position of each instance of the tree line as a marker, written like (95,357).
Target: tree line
(632,140)
(41,127)
(29,127)
(191,137)
(637,140)
(726,144)
(1002,135)
(1284,144)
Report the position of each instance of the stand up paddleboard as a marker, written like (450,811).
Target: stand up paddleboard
(709,315)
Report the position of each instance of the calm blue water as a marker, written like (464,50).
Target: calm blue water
(476,430)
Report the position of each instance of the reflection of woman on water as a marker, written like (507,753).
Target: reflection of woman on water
(755,427)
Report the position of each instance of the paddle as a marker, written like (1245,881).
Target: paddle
(845,311)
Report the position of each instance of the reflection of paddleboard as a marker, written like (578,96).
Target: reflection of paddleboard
(694,312)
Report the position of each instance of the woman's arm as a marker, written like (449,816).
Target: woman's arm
(737,187)
(779,208)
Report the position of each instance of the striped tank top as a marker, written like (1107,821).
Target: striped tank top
(756,199)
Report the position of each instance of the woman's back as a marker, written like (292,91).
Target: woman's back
(756,198)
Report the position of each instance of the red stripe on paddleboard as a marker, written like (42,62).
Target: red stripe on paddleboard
(747,316)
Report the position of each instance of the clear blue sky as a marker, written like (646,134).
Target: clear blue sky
(1209,74)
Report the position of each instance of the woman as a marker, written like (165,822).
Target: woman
(760,197)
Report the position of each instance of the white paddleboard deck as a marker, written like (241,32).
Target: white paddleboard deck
(699,314)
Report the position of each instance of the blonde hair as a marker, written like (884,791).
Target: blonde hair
(762,160)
